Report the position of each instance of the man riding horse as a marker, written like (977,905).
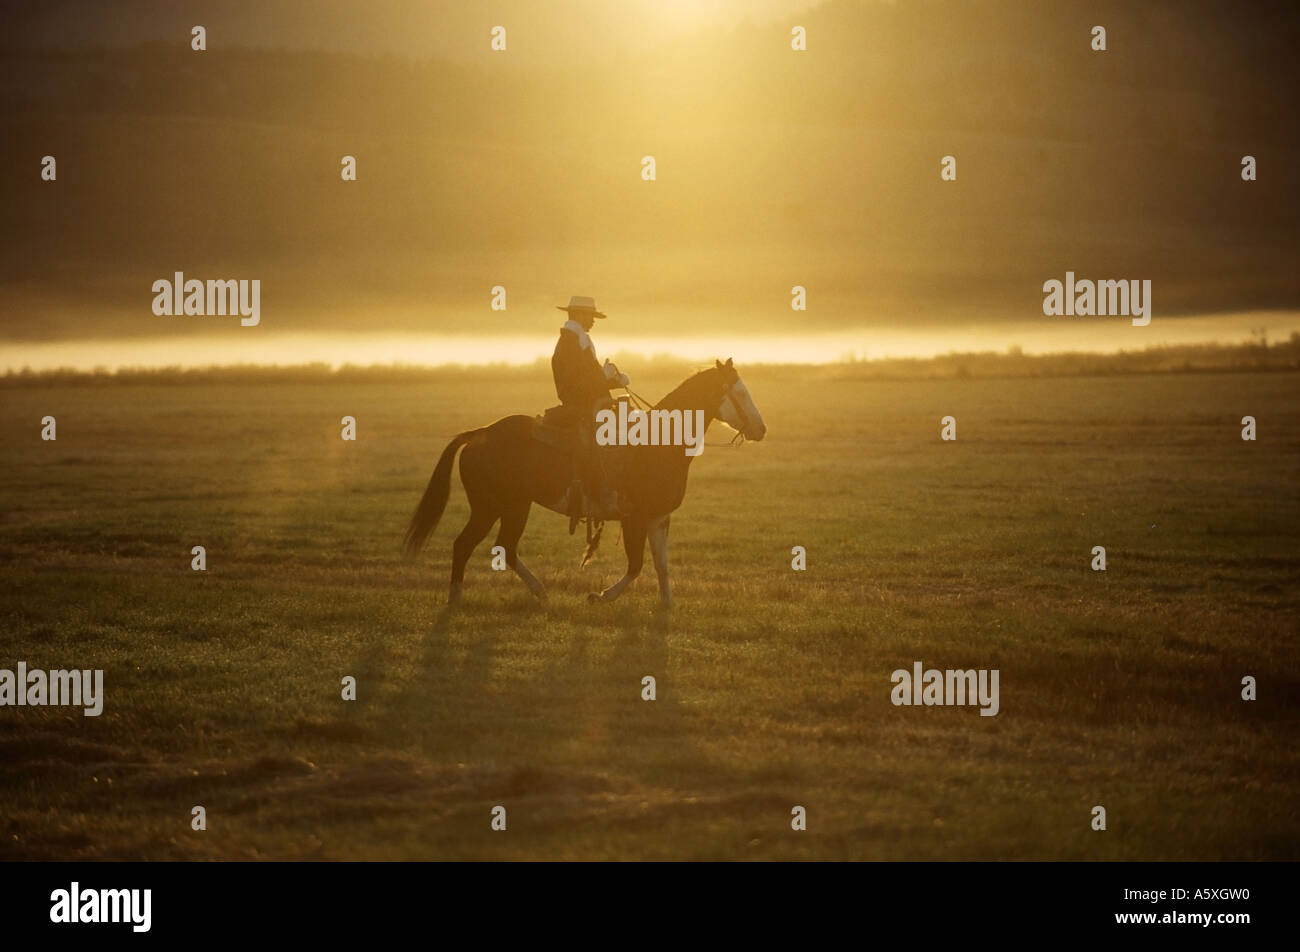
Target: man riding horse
(507,467)
(583,386)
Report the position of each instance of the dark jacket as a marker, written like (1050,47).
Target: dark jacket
(579,379)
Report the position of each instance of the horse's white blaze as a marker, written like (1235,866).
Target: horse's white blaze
(751,426)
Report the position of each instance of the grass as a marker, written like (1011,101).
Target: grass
(1119,688)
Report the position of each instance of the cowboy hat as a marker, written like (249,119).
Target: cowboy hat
(579,303)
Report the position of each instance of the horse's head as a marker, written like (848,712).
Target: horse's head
(737,408)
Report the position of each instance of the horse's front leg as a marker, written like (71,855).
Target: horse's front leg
(634,546)
(659,552)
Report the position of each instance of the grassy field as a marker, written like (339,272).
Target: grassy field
(1119,688)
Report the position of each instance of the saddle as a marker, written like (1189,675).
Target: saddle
(560,427)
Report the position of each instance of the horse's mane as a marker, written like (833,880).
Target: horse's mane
(685,386)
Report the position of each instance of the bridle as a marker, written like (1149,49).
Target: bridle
(729,392)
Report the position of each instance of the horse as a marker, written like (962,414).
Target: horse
(505,470)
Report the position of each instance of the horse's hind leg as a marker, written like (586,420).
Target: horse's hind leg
(480,523)
(513,521)
(634,546)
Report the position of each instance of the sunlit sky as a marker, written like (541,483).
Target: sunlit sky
(574,30)
(523,170)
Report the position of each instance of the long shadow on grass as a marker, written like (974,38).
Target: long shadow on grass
(551,695)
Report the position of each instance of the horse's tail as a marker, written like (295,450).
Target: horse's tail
(434,500)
